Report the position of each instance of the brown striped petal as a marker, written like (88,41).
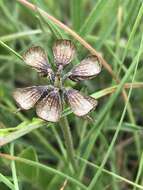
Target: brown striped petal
(36,57)
(50,107)
(87,69)
(80,105)
(27,97)
(63,51)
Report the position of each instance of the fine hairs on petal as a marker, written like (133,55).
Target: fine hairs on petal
(50,107)
(27,97)
(88,68)
(63,51)
(80,105)
(37,58)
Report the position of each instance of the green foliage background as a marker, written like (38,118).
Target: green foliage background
(109,149)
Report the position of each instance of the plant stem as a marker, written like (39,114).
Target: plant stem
(68,141)
(13,167)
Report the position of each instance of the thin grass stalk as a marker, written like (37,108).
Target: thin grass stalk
(68,141)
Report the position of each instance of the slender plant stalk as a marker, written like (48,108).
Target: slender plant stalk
(6,181)
(68,141)
(14,175)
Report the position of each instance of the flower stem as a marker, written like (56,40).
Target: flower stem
(68,141)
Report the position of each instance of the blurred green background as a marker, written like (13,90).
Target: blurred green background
(113,140)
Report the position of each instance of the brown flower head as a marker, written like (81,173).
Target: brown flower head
(48,99)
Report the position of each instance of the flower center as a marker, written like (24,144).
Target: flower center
(58,78)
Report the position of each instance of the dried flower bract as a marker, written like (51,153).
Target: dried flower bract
(48,99)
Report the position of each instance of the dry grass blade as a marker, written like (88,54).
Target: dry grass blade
(112,89)
(64,185)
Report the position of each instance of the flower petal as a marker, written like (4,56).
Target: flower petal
(80,104)
(50,107)
(27,97)
(63,51)
(87,69)
(36,57)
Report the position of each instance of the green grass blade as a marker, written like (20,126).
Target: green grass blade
(94,132)
(93,17)
(140,169)
(11,50)
(6,181)
(134,66)
(47,169)
(76,13)
(26,128)
(13,168)
(116,176)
